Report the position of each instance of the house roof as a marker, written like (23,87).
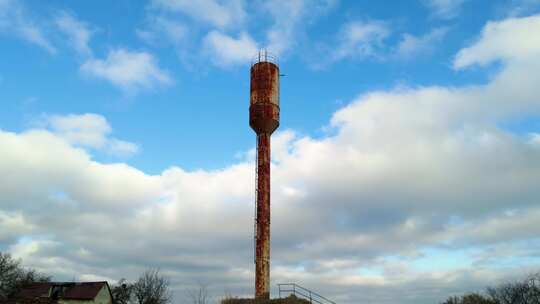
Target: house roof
(34,290)
(31,301)
(40,292)
(83,291)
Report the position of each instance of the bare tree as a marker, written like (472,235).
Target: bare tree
(152,288)
(13,276)
(471,298)
(122,292)
(525,291)
(475,298)
(452,300)
(199,295)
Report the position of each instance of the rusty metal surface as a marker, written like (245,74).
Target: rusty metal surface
(262,249)
(264,120)
(264,83)
(264,117)
(264,97)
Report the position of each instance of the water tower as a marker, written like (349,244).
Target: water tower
(264,120)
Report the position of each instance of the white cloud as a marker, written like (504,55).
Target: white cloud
(516,8)
(412,45)
(90,131)
(221,14)
(406,170)
(14,20)
(129,70)
(361,39)
(13,225)
(368,39)
(88,277)
(511,39)
(445,9)
(289,18)
(78,32)
(225,50)
(122,148)
(534,139)
(160,27)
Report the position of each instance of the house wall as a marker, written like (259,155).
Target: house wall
(103,297)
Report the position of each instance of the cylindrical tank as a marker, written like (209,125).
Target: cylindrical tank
(264,97)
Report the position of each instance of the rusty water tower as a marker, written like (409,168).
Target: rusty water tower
(264,120)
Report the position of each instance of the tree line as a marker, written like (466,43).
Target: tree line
(13,276)
(524,291)
(153,288)
(150,288)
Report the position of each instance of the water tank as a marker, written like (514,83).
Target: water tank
(264,96)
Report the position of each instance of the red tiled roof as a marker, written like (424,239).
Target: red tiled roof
(87,290)
(31,301)
(66,290)
(35,290)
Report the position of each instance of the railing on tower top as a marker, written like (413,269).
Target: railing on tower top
(264,56)
(301,292)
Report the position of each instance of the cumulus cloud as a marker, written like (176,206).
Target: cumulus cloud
(12,226)
(414,45)
(15,20)
(220,14)
(77,31)
(368,39)
(88,130)
(510,39)
(445,9)
(354,214)
(225,50)
(129,70)
(288,20)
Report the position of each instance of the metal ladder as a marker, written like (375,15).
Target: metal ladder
(256,195)
(301,292)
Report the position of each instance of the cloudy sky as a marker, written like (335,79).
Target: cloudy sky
(406,168)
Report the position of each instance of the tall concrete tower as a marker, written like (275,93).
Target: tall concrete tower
(264,120)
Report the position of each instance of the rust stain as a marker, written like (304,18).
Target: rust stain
(264,120)
(262,262)
(264,97)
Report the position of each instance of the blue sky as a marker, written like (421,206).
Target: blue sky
(407,157)
(203,109)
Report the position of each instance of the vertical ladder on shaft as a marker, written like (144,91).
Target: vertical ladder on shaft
(256,197)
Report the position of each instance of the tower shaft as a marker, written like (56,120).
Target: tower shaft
(262,249)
